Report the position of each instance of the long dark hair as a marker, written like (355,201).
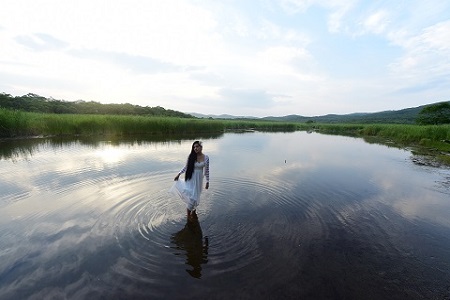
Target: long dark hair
(191,161)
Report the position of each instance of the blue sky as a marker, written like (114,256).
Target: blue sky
(247,58)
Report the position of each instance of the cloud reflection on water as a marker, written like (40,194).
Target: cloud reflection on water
(98,215)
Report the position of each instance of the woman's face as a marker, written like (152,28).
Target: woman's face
(197,148)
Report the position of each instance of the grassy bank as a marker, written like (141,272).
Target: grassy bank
(24,124)
(426,135)
(427,139)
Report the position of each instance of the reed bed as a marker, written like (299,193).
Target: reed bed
(26,124)
(428,140)
(23,124)
(406,134)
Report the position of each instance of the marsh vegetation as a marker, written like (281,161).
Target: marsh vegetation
(16,123)
(429,140)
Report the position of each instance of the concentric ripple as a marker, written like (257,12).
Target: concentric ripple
(151,232)
(141,225)
(97,222)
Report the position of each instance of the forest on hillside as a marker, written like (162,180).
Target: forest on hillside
(35,103)
(431,114)
(436,113)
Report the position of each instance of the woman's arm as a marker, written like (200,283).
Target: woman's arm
(207,171)
(181,172)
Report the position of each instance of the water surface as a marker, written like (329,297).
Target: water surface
(287,216)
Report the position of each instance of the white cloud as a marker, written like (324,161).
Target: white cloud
(308,57)
(173,31)
(437,37)
(377,22)
(268,30)
(296,6)
(339,12)
(427,55)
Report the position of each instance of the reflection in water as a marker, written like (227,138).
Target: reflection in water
(289,216)
(15,149)
(190,240)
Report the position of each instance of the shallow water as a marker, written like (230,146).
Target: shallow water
(287,216)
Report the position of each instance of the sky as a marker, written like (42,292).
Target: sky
(239,57)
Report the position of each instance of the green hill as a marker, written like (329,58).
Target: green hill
(35,103)
(403,116)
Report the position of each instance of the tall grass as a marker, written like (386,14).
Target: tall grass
(17,123)
(13,123)
(258,125)
(410,133)
(26,124)
(436,136)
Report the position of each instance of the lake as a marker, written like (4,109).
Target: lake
(287,216)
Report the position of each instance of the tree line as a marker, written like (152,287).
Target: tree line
(435,114)
(35,103)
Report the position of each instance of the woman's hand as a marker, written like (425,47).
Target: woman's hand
(176,177)
(207,185)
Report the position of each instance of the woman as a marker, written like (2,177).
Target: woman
(196,168)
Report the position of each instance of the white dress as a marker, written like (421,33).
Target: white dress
(189,191)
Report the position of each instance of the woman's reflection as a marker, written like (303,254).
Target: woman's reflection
(190,239)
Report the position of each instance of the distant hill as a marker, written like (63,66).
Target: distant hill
(403,116)
(223,116)
(35,103)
